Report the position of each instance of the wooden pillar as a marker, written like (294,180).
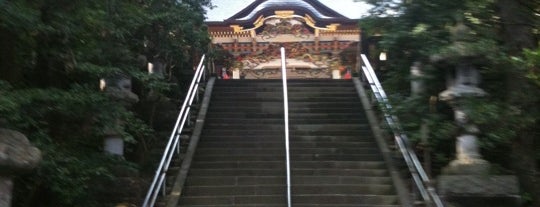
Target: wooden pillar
(316,46)
(235,45)
(335,45)
(254,45)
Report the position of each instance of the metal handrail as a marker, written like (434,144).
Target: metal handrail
(421,179)
(158,183)
(286,118)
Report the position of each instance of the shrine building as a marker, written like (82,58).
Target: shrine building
(319,42)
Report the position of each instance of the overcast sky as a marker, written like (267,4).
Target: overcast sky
(227,8)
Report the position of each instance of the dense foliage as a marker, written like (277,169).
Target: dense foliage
(53,55)
(505,35)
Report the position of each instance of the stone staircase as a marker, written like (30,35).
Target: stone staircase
(240,157)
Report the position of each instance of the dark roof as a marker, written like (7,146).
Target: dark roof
(318,11)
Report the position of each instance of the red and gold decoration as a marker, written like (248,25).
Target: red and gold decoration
(318,40)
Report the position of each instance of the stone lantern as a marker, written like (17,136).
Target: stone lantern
(118,88)
(125,184)
(17,155)
(467,181)
(462,84)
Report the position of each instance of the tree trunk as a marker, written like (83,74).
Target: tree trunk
(518,20)
(9,70)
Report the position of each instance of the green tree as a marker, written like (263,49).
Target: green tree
(506,34)
(54,54)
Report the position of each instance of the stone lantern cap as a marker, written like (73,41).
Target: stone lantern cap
(17,154)
(459,91)
(465,47)
(118,88)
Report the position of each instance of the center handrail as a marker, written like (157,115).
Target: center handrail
(286,118)
(420,177)
(158,183)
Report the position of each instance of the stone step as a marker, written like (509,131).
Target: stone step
(239,115)
(238,112)
(291,90)
(240,151)
(277,82)
(292,132)
(239,164)
(294,172)
(279,200)
(332,200)
(293,145)
(298,107)
(342,189)
(367,200)
(279,85)
(233,190)
(345,126)
(305,157)
(296,164)
(338,165)
(281,138)
(292,121)
(281,150)
(295,205)
(300,94)
(382,180)
(279,189)
(279,114)
(298,180)
(278,98)
(278,92)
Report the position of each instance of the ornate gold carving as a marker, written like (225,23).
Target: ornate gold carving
(259,22)
(332,27)
(284,13)
(309,21)
(237,28)
(285,26)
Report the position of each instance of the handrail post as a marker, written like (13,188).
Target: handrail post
(286,117)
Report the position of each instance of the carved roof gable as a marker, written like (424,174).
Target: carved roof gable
(314,7)
(320,13)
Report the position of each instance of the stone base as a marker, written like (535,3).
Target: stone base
(6,185)
(479,190)
(467,167)
(124,190)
